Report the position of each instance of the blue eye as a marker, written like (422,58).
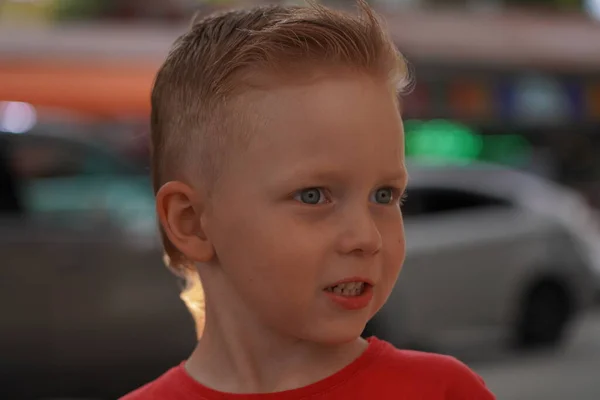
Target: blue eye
(383,196)
(311,196)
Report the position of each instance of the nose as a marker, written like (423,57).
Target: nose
(360,234)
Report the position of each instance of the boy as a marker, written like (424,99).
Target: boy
(279,169)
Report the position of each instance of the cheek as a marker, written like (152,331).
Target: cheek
(270,251)
(394,250)
(392,257)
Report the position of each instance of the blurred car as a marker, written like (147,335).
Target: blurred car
(86,298)
(84,294)
(492,255)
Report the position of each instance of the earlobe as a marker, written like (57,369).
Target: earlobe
(179,210)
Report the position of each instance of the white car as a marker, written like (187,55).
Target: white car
(492,254)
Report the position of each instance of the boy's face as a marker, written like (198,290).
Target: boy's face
(314,200)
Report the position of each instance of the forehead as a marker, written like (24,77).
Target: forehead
(352,117)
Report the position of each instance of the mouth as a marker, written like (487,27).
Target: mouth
(348,289)
(351,294)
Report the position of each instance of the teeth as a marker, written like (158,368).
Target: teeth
(348,289)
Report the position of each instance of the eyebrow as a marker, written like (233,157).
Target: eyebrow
(309,173)
(401,175)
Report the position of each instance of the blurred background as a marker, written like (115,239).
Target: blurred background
(503,227)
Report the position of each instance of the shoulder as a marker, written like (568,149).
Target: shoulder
(166,386)
(446,375)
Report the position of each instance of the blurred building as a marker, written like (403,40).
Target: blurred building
(520,76)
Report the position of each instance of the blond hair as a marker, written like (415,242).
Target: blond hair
(220,56)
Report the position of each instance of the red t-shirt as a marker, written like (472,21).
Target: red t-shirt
(382,372)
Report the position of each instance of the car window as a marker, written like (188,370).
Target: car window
(10,199)
(45,158)
(66,181)
(432,201)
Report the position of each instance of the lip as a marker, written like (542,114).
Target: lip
(352,303)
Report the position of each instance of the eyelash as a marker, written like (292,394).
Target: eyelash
(403,198)
(399,196)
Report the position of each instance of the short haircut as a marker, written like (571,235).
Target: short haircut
(221,56)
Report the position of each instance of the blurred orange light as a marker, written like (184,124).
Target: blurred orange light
(593,101)
(110,90)
(469,100)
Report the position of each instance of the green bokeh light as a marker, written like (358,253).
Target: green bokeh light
(444,141)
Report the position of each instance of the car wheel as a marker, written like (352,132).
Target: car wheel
(545,315)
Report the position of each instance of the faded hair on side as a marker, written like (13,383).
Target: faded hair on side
(195,121)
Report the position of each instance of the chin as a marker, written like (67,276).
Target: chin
(339,332)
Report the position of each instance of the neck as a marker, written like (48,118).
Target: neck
(257,359)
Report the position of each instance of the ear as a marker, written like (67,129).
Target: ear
(180,210)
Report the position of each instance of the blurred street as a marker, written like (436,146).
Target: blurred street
(502,220)
(572,372)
